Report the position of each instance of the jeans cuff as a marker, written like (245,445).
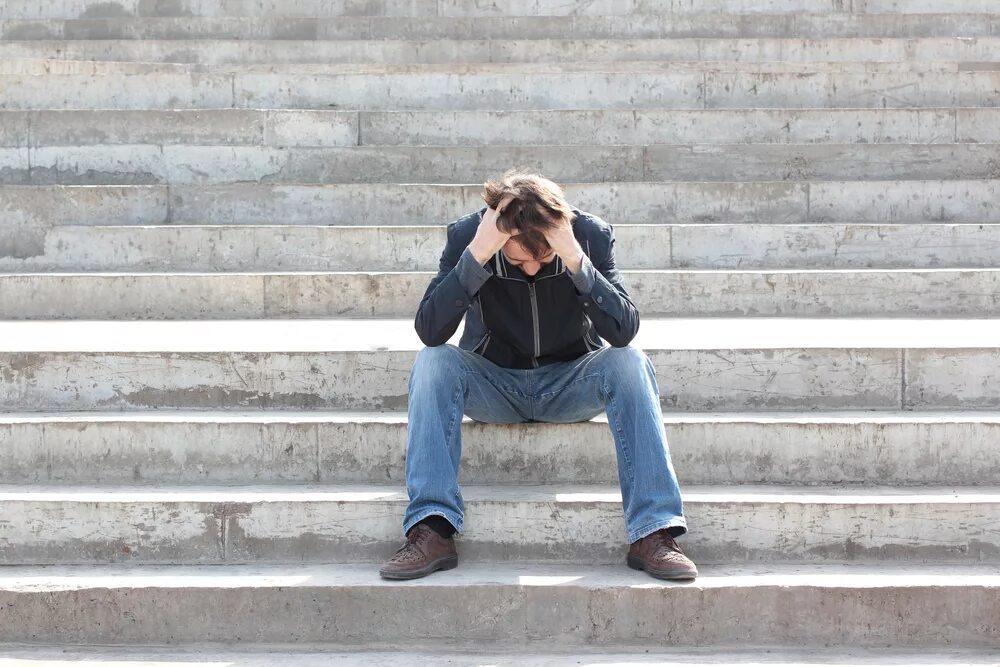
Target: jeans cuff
(678,526)
(455,521)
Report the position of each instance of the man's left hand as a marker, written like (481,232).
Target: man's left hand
(565,245)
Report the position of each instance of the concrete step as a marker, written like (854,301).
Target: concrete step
(70,130)
(456,8)
(705,24)
(220,165)
(939,293)
(241,447)
(514,522)
(69,67)
(484,653)
(983,49)
(28,211)
(702,365)
(75,248)
(522,604)
(60,84)
(71,248)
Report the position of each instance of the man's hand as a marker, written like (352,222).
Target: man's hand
(565,245)
(489,239)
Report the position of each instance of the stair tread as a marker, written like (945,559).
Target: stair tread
(398,335)
(507,493)
(41,578)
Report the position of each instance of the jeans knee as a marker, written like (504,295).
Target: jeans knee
(434,365)
(628,367)
(627,360)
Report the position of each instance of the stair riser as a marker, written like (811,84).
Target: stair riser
(423,8)
(466,50)
(707,25)
(807,615)
(703,452)
(690,380)
(582,531)
(210,165)
(238,127)
(28,211)
(177,88)
(285,248)
(955,293)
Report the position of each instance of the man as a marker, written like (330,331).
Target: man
(536,282)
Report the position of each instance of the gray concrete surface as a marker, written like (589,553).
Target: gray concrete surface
(560,605)
(210,165)
(73,248)
(240,446)
(324,128)
(411,8)
(943,293)
(564,49)
(699,369)
(567,523)
(635,26)
(515,86)
(30,210)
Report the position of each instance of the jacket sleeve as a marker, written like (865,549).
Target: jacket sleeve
(450,292)
(605,300)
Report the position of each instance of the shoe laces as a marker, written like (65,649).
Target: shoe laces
(412,550)
(664,541)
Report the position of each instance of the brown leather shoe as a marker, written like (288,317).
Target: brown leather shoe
(424,552)
(659,555)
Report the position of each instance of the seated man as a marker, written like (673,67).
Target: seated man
(535,279)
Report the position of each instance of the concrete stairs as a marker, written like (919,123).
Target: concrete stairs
(216,220)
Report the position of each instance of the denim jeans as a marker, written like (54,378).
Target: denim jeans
(448,381)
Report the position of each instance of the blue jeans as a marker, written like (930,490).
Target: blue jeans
(448,381)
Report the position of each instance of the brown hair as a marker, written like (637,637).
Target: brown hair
(538,205)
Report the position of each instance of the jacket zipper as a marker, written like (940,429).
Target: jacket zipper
(534,324)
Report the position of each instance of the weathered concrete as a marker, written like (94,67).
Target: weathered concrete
(636,26)
(936,382)
(514,86)
(431,204)
(706,380)
(661,293)
(239,446)
(319,128)
(417,8)
(357,248)
(984,49)
(126,164)
(569,523)
(557,605)
(210,165)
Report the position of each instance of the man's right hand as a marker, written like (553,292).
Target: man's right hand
(489,239)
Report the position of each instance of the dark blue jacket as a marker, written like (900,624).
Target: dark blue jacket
(517,321)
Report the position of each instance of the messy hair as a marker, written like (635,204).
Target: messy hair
(538,205)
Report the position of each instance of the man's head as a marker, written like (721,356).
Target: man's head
(527,205)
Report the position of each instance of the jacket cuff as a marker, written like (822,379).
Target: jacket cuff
(471,274)
(584,279)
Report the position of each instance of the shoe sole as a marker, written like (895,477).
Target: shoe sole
(674,575)
(446,563)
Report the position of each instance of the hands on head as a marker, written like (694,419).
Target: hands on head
(489,238)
